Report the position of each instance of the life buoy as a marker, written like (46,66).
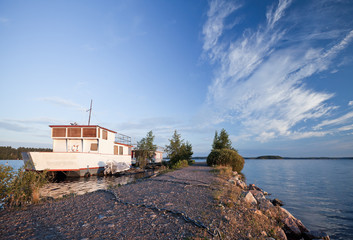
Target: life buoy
(74,148)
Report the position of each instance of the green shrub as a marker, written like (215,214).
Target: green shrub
(226,157)
(180,164)
(213,158)
(21,187)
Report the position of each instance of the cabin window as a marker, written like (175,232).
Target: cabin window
(105,135)
(89,132)
(116,150)
(121,150)
(74,132)
(59,132)
(94,146)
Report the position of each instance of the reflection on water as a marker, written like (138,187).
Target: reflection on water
(84,185)
(80,185)
(318,192)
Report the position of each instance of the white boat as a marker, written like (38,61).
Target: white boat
(82,150)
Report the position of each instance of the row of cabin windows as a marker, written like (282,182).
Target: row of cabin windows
(118,150)
(76,132)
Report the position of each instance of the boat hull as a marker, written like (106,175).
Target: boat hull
(70,163)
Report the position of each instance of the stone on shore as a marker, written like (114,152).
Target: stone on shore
(258,195)
(277,202)
(241,184)
(253,187)
(249,198)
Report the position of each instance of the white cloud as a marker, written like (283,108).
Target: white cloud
(350,103)
(63,102)
(336,121)
(214,26)
(261,82)
(4,20)
(274,15)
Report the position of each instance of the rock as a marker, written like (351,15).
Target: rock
(281,234)
(317,235)
(277,202)
(291,228)
(301,226)
(253,187)
(248,197)
(231,181)
(265,204)
(258,195)
(241,184)
(111,225)
(286,213)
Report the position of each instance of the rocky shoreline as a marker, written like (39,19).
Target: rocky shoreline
(292,228)
(190,203)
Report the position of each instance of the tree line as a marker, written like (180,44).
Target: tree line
(180,151)
(10,153)
(177,150)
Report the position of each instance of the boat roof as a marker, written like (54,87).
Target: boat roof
(80,126)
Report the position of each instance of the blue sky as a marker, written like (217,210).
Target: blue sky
(277,75)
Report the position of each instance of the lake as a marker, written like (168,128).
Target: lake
(318,192)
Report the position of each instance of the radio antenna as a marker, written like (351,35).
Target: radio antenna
(90,112)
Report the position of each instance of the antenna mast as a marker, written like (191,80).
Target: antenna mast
(90,111)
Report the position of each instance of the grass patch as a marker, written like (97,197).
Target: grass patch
(224,172)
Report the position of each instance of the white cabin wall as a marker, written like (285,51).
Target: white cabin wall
(107,146)
(87,145)
(74,142)
(59,145)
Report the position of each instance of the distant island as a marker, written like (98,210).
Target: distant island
(9,153)
(269,157)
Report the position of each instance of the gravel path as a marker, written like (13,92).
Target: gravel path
(98,216)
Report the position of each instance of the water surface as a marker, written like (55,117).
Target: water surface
(318,192)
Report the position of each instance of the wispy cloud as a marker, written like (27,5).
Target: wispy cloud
(214,26)
(336,121)
(13,126)
(4,20)
(261,80)
(63,102)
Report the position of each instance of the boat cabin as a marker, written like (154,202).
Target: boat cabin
(89,139)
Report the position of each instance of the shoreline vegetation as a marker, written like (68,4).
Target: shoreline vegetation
(10,153)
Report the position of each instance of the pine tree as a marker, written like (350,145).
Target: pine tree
(222,141)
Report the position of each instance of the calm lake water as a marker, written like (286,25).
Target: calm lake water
(318,192)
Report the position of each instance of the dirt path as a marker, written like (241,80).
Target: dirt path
(98,216)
